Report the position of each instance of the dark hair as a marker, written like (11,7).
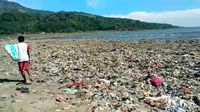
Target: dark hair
(21,38)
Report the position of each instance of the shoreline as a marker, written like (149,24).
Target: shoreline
(166,34)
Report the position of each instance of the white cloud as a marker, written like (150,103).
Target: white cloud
(92,3)
(12,0)
(187,18)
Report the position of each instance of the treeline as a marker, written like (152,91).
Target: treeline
(19,22)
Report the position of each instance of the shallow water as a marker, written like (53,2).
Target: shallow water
(164,34)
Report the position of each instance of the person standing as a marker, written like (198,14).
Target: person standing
(24,58)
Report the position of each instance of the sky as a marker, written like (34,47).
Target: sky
(176,12)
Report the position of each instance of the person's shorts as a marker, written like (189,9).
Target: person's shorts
(24,66)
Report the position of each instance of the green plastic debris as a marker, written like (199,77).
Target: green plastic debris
(165,85)
(70,90)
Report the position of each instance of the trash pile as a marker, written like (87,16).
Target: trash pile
(114,75)
(171,104)
(73,88)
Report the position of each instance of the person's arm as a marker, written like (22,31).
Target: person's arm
(28,51)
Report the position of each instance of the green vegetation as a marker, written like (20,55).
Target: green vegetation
(18,19)
(7,6)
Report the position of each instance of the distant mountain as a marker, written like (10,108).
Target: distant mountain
(8,6)
(15,18)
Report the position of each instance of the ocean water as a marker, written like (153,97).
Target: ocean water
(163,34)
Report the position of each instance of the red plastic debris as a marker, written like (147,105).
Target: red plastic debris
(185,90)
(77,85)
(156,81)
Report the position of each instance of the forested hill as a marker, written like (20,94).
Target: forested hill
(7,6)
(15,18)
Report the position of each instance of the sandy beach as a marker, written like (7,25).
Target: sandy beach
(113,74)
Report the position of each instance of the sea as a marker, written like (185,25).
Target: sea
(161,34)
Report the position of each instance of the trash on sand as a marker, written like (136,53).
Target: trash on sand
(185,90)
(168,103)
(40,81)
(23,89)
(165,84)
(197,74)
(74,85)
(60,98)
(70,91)
(78,85)
(2,98)
(159,102)
(125,68)
(156,81)
(105,81)
(196,100)
(176,104)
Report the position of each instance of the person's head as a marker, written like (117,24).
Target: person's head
(21,38)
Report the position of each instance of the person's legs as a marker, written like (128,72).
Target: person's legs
(30,78)
(24,77)
(21,65)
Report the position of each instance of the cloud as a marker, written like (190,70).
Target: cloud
(92,3)
(12,0)
(188,18)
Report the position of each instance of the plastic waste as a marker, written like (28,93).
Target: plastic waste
(11,49)
(70,91)
(23,89)
(105,81)
(97,66)
(185,90)
(165,85)
(168,103)
(176,104)
(156,81)
(196,100)
(74,85)
(197,74)
(77,85)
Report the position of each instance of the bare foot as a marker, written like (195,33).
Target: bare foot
(30,79)
(24,83)
(27,83)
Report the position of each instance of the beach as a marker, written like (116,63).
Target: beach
(109,75)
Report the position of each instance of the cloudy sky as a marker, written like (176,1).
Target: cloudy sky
(176,12)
